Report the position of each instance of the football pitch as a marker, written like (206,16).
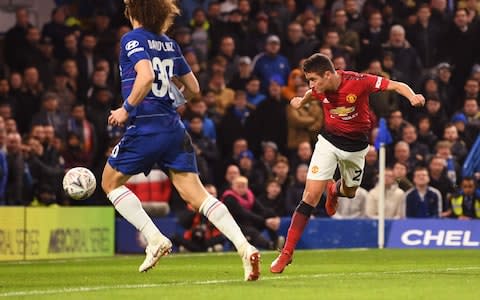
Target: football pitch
(315,274)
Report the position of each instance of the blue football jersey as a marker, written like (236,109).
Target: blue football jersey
(156,113)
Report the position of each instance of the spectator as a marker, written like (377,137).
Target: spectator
(303,123)
(446,91)
(423,201)
(371,40)
(56,29)
(46,177)
(86,62)
(437,170)
(231,172)
(466,204)
(242,75)
(273,198)
(281,173)
(259,34)
(400,172)
(271,64)
(227,49)
(456,47)
(349,39)
(394,199)
(251,216)
(197,106)
(28,101)
(5,96)
(425,135)
(270,119)
(224,96)
(268,157)
(418,151)
(248,168)
(84,131)
(205,150)
(403,155)
(302,155)
(49,114)
(15,39)
(424,36)
(254,96)
(459,149)
(235,124)
(444,150)
(66,95)
(19,183)
(395,124)
(295,79)
(405,57)
(436,114)
(296,47)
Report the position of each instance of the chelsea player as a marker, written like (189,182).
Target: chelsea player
(149,61)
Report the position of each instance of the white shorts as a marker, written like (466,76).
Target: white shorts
(326,157)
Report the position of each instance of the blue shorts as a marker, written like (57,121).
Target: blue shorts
(139,153)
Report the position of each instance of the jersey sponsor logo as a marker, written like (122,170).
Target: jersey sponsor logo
(342,111)
(132,44)
(134,51)
(315,169)
(351,98)
(378,83)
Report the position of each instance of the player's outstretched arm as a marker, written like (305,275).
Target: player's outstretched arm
(404,90)
(298,102)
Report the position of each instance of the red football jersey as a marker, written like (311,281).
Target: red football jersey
(346,111)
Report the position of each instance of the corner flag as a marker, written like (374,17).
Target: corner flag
(383,136)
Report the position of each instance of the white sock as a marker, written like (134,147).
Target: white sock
(129,206)
(217,213)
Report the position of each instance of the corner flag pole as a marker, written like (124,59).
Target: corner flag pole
(381,198)
(383,138)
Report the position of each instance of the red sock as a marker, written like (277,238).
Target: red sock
(299,221)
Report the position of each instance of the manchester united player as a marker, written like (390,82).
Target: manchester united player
(343,139)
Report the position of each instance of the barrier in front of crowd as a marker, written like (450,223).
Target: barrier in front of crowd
(28,233)
(329,233)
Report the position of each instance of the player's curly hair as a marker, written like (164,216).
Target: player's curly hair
(155,15)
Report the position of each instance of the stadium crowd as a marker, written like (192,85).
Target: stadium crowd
(59,82)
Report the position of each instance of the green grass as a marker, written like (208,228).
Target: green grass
(329,274)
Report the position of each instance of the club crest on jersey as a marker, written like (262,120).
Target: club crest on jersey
(351,98)
(315,169)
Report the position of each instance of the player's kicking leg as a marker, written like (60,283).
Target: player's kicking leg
(189,187)
(129,206)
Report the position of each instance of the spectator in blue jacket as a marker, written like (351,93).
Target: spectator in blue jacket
(423,201)
(270,63)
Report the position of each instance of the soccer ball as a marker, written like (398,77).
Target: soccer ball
(79,183)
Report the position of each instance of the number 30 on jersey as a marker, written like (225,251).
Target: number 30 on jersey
(164,71)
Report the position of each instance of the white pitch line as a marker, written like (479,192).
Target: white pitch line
(213,282)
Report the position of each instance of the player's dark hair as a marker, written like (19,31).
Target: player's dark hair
(318,63)
(155,15)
